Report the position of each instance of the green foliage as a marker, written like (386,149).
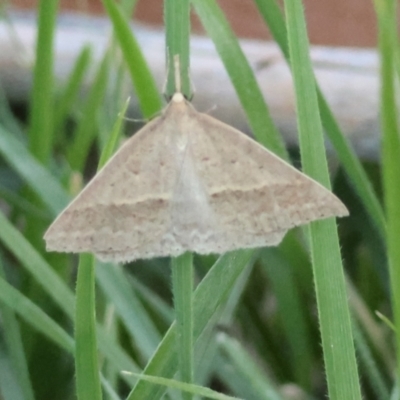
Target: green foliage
(255,328)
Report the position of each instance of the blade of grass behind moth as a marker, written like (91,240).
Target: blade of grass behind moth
(71,88)
(86,361)
(177,29)
(38,178)
(372,371)
(241,75)
(112,142)
(85,133)
(38,319)
(9,388)
(273,17)
(387,28)
(7,118)
(184,387)
(15,347)
(143,81)
(177,32)
(182,283)
(40,125)
(153,301)
(373,329)
(292,313)
(250,373)
(209,296)
(116,287)
(52,284)
(334,315)
(207,345)
(34,316)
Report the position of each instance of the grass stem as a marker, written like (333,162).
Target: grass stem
(182,283)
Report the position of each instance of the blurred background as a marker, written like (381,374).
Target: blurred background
(336,23)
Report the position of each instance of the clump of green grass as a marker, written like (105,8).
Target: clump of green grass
(252,325)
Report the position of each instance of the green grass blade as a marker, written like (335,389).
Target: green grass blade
(182,284)
(40,321)
(273,17)
(112,141)
(40,129)
(86,362)
(143,82)
(207,349)
(334,315)
(9,386)
(115,285)
(7,118)
(85,133)
(13,340)
(387,23)
(209,296)
(366,357)
(373,328)
(32,314)
(177,32)
(177,26)
(72,88)
(154,302)
(241,75)
(256,379)
(34,263)
(32,172)
(185,387)
(292,314)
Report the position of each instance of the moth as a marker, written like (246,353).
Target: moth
(188,182)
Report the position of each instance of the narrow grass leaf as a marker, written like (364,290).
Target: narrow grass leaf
(7,118)
(241,75)
(291,313)
(182,286)
(115,285)
(256,379)
(387,24)
(38,178)
(209,296)
(153,301)
(9,385)
(86,362)
(85,133)
(52,284)
(31,259)
(373,328)
(34,316)
(177,32)
(15,346)
(143,81)
(41,109)
(184,387)
(112,141)
(372,371)
(39,320)
(272,14)
(72,88)
(334,315)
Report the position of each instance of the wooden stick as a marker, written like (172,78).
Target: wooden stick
(348,76)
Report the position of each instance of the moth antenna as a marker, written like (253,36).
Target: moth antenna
(177,71)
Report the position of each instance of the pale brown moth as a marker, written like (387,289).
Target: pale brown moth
(188,182)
